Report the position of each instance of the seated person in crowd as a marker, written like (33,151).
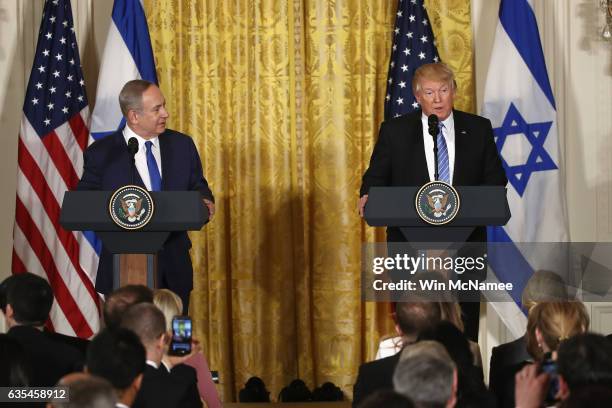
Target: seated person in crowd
(13,370)
(471,389)
(254,391)
(86,391)
(387,399)
(509,358)
(584,372)
(28,302)
(118,356)
(427,375)
(161,385)
(171,305)
(412,318)
(117,302)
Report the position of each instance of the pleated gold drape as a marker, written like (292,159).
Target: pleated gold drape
(284,100)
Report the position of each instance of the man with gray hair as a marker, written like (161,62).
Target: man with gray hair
(86,391)
(162,160)
(427,375)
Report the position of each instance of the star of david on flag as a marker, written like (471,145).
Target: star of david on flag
(514,126)
(520,104)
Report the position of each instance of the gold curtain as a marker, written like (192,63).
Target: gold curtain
(284,101)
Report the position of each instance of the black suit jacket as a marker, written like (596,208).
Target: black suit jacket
(506,360)
(107,166)
(373,376)
(398,158)
(161,389)
(47,360)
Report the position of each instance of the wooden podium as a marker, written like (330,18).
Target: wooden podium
(134,250)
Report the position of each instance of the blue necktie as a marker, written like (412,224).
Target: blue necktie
(153,169)
(443,167)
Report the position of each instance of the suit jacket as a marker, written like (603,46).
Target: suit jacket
(47,360)
(161,389)
(373,376)
(398,158)
(107,166)
(506,360)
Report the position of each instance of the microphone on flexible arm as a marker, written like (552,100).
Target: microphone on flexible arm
(132,149)
(432,122)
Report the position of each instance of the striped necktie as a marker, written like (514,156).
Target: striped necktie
(443,166)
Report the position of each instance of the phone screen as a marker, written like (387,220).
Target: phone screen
(181,335)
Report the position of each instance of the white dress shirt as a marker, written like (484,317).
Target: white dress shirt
(141,155)
(449,136)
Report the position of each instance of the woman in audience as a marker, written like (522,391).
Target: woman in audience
(550,323)
(171,305)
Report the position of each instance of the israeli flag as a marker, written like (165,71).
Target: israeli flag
(127,55)
(520,104)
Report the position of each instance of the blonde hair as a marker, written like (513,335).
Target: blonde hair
(557,321)
(439,72)
(451,312)
(169,303)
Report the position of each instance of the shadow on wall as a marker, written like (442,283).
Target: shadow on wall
(593,19)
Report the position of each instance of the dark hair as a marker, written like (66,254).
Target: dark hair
(13,367)
(592,396)
(146,320)
(296,391)
(119,300)
(387,399)
(585,359)
(31,298)
(116,355)
(453,340)
(328,392)
(254,391)
(414,317)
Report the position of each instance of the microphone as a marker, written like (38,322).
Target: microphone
(432,122)
(132,149)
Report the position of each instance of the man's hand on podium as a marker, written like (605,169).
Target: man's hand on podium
(211,208)
(362,202)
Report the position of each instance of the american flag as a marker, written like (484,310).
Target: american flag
(413,46)
(51,141)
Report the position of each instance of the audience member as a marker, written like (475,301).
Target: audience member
(120,299)
(118,356)
(471,390)
(28,301)
(583,362)
(412,318)
(386,399)
(296,391)
(254,391)
(509,358)
(328,392)
(591,396)
(13,368)
(86,391)
(427,375)
(171,305)
(161,385)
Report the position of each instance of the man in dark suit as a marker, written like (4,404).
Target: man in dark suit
(118,356)
(28,303)
(412,319)
(163,384)
(403,154)
(166,160)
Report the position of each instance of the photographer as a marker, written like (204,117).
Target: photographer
(548,325)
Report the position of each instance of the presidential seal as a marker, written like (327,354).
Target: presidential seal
(437,203)
(131,207)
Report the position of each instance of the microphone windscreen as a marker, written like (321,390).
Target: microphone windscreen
(432,121)
(132,145)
